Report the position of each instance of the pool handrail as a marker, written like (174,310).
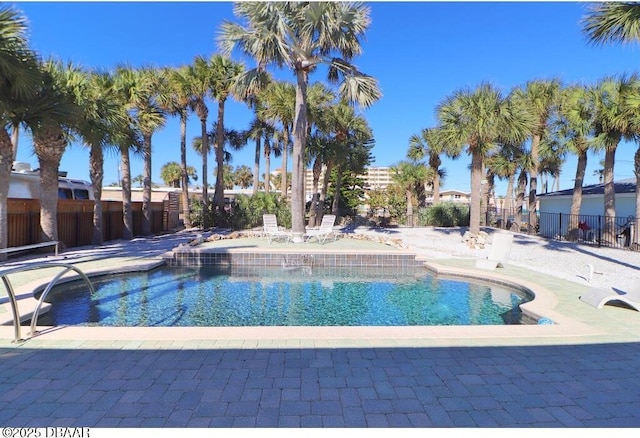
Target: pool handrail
(12,296)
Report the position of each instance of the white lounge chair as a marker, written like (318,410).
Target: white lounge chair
(326,229)
(498,252)
(599,297)
(271,229)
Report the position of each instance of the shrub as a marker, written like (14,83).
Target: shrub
(444,214)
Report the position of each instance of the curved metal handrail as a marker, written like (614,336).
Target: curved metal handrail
(14,301)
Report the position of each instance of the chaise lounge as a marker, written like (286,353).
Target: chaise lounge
(498,252)
(599,297)
(271,229)
(325,230)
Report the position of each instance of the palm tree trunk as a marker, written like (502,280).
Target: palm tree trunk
(533,182)
(285,156)
(300,127)
(609,195)
(184,177)
(313,208)
(146,185)
(127,213)
(49,145)
(636,170)
(323,191)
(267,166)
(205,170)
(409,207)
(96,172)
(576,198)
(522,187)
(256,166)
(506,207)
(15,137)
(336,197)
(218,195)
(476,187)
(6,161)
(436,188)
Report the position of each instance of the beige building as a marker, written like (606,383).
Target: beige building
(375,178)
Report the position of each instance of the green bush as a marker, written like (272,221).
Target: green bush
(246,212)
(444,214)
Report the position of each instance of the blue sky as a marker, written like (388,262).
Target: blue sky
(419,51)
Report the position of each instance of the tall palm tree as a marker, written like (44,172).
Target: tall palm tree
(178,100)
(256,132)
(428,144)
(225,75)
(301,36)
(616,23)
(615,119)
(504,164)
(142,87)
(279,107)
(575,126)
(407,174)
(101,115)
(480,119)
(541,98)
(19,78)
(200,77)
(55,114)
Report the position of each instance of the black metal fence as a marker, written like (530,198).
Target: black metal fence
(616,232)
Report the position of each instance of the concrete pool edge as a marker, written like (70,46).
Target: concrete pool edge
(245,337)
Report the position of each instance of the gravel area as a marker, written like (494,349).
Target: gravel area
(612,267)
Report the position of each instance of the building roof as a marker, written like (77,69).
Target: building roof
(622,186)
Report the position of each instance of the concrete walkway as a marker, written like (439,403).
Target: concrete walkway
(177,379)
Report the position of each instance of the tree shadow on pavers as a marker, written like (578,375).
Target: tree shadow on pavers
(595,385)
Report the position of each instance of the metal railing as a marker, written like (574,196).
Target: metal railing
(613,232)
(12,296)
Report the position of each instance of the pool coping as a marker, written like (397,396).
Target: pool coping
(542,306)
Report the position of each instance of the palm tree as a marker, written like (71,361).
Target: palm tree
(256,132)
(142,88)
(615,22)
(127,140)
(55,114)
(301,36)
(19,77)
(574,127)
(479,119)
(615,119)
(243,176)
(171,174)
(101,115)
(408,174)
(200,77)
(504,164)
(224,83)
(178,100)
(427,144)
(279,107)
(541,98)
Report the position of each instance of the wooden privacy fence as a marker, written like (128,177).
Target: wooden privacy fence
(75,220)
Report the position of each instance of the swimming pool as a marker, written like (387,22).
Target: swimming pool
(251,296)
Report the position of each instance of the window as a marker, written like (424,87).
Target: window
(81,194)
(64,193)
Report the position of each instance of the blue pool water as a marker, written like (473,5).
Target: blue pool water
(210,297)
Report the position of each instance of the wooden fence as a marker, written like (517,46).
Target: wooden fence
(75,220)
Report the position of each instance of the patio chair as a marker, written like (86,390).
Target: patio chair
(326,229)
(599,297)
(498,252)
(271,229)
